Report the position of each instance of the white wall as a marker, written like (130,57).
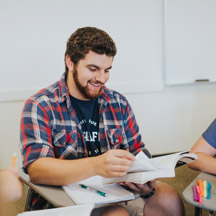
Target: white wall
(173,119)
(34,34)
(10,113)
(170,119)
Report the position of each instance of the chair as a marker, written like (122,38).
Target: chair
(53,194)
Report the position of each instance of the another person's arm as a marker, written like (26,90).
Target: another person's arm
(10,186)
(205,149)
(205,152)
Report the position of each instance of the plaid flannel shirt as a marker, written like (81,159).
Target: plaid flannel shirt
(50,126)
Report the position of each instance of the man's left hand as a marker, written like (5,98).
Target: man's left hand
(143,189)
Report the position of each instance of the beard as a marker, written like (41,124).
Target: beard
(90,94)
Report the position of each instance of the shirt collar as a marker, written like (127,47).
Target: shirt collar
(105,94)
(64,93)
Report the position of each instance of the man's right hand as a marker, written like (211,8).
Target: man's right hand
(53,171)
(113,163)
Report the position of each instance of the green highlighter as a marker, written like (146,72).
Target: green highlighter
(94,190)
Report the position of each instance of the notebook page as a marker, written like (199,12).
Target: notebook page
(114,192)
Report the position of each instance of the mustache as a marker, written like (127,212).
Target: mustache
(96,82)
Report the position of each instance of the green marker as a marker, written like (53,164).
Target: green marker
(92,189)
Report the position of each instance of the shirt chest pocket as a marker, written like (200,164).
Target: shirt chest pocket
(61,138)
(117,138)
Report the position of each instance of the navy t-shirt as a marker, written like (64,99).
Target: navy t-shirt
(88,114)
(210,134)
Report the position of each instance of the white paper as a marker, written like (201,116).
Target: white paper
(81,210)
(114,192)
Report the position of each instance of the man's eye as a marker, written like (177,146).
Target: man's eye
(106,71)
(92,69)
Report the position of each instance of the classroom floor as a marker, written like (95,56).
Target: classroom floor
(184,176)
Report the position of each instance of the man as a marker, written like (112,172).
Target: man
(205,149)
(89,126)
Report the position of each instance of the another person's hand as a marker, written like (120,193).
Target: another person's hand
(10,186)
(143,189)
(113,163)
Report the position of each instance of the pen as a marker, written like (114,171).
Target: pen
(13,160)
(92,189)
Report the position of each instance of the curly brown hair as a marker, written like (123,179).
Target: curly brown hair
(88,39)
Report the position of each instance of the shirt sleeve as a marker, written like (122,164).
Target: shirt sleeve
(132,132)
(35,133)
(210,134)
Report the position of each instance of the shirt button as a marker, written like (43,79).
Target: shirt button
(117,140)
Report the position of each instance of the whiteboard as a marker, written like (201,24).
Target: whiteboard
(190,41)
(34,35)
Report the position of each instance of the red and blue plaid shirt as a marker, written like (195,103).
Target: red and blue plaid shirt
(50,126)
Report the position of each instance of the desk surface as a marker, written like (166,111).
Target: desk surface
(53,194)
(207,203)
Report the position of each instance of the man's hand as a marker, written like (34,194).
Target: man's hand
(113,163)
(143,189)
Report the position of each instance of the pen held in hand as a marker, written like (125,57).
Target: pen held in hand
(94,190)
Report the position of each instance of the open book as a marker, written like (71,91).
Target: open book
(95,194)
(145,169)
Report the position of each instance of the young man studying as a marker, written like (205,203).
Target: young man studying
(77,128)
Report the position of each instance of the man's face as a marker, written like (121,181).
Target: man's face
(89,75)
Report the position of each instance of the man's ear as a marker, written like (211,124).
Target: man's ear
(69,63)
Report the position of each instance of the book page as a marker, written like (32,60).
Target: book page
(145,169)
(81,210)
(142,163)
(169,161)
(141,177)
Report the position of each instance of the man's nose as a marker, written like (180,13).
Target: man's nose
(101,76)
